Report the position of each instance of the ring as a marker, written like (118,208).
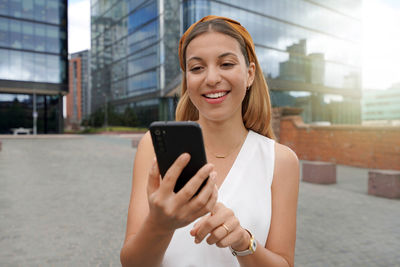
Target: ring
(226,228)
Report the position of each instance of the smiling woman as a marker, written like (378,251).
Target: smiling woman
(245,215)
(381,60)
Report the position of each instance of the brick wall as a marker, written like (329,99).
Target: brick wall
(376,147)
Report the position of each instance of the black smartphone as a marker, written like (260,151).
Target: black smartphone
(170,140)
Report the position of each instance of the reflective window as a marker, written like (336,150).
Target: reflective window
(16,111)
(15,34)
(134,4)
(27,9)
(15,64)
(40,10)
(143,37)
(40,37)
(4,64)
(52,69)
(305,52)
(28,68)
(137,65)
(4,32)
(52,39)
(15,8)
(53,11)
(40,72)
(141,16)
(3,7)
(142,82)
(28,37)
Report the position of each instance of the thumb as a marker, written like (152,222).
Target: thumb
(154,178)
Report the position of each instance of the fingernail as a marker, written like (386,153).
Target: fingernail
(196,241)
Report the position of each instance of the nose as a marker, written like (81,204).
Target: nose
(213,76)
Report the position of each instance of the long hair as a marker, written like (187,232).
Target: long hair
(256,105)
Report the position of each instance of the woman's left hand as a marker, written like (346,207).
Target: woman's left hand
(224,229)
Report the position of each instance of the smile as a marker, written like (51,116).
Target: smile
(216,95)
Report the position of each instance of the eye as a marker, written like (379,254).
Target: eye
(195,69)
(228,65)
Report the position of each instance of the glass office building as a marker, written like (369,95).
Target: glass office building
(33,65)
(134,55)
(309,52)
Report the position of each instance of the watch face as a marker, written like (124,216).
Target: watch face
(254,245)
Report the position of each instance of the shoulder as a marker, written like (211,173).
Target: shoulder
(145,150)
(145,141)
(284,155)
(287,168)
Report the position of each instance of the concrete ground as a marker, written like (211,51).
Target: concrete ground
(63,202)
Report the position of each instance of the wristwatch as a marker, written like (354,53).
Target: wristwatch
(249,251)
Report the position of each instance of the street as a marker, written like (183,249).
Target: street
(64,200)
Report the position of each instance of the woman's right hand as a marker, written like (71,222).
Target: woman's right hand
(170,210)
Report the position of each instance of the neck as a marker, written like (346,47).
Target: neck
(222,137)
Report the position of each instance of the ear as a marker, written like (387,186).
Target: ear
(251,73)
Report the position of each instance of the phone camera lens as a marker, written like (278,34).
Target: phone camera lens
(157,132)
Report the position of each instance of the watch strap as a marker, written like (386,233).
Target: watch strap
(252,247)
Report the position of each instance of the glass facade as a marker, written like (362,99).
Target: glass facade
(382,105)
(308,50)
(16,111)
(33,51)
(134,52)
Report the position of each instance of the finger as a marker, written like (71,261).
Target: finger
(200,201)
(223,231)
(196,225)
(154,178)
(221,214)
(170,177)
(191,187)
(234,237)
(210,204)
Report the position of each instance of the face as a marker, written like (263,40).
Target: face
(217,76)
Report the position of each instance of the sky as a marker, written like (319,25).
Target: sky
(381,34)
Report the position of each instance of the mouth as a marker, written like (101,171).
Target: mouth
(216,95)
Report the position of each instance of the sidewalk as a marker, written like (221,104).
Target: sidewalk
(63,202)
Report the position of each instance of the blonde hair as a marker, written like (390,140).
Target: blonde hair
(256,105)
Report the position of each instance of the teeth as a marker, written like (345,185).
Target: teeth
(216,95)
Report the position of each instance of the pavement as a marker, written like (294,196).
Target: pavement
(64,200)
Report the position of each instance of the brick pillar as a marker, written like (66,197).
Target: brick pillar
(384,183)
(319,172)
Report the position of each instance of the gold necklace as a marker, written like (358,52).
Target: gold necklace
(229,152)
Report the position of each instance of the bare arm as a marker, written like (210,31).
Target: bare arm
(280,245)
(155,211)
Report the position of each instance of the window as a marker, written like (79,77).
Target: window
(15,34)
(28,39)
(4,32)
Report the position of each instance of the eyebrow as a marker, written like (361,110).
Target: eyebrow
(220,56)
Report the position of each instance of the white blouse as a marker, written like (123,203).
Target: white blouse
(247,191)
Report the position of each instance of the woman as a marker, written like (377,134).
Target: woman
(248,206)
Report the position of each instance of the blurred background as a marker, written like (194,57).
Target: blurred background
(111,67)
(115,62)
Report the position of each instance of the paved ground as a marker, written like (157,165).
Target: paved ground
(63,202)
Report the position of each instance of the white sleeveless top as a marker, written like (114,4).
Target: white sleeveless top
(247,191)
